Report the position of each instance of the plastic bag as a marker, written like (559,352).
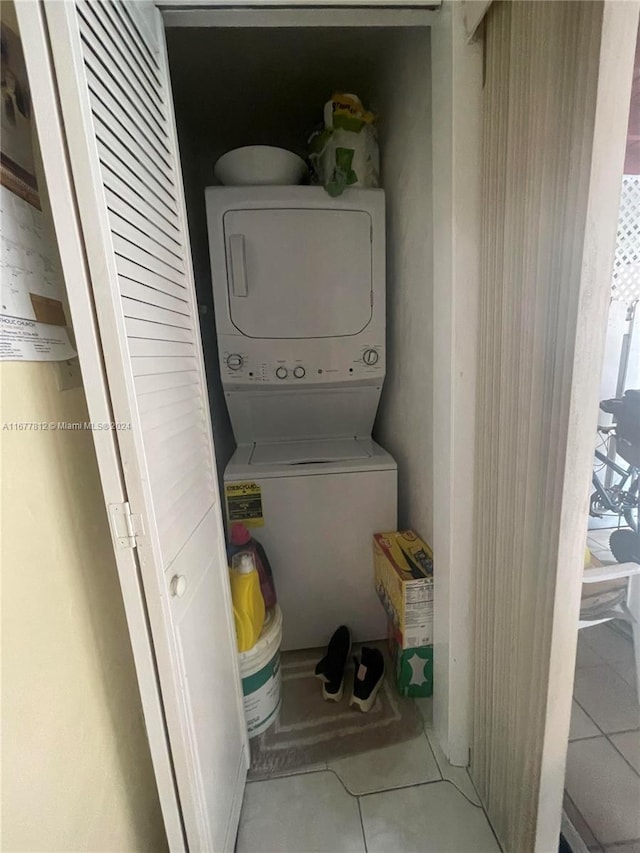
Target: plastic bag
(345,152)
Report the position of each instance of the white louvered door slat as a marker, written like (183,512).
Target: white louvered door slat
(129,269)
(158,419)
(148,347)
(160,401)
(139,234)
(156,329)
(120,205)
(134,309)
(158,441)
(155,366)
(146,259)
(143,294)
(150,384)
(116,105)
(179,463)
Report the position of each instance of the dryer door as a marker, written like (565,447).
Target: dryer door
(299,273)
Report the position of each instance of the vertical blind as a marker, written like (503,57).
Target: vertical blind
(541,74)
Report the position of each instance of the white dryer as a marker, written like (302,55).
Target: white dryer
(299,296)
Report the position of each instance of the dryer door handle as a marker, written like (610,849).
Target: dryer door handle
(238,266)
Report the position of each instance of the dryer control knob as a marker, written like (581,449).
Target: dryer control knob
(234,361)
(370,357)
(299,371)
(282,372)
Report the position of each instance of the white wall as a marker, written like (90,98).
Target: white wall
(254,86)
(406,418)
(76,770)
(457,142)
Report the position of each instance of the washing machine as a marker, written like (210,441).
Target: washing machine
(318,504)
(299,297)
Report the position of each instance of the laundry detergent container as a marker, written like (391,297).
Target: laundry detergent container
(261,677)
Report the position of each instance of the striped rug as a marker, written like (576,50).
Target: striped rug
(310,731)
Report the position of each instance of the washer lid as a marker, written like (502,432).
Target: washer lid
(241,466)
(299,273)
(310,451)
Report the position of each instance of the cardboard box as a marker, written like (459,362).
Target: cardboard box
(413,668)
(404,582)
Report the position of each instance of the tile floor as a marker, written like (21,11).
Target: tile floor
(403,798)
(602,785)
(407,797)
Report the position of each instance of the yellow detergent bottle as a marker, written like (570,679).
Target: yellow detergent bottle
(248,603)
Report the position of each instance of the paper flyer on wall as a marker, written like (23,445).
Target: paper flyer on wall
(32,319)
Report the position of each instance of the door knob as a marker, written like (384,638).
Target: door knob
(178,585)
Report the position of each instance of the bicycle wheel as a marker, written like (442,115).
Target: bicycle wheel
(625,546)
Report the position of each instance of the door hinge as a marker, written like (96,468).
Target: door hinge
(126,526)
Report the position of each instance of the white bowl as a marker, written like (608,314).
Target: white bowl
(260,165)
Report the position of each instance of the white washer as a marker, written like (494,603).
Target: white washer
(319,519)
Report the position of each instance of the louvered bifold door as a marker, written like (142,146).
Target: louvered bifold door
(115,97)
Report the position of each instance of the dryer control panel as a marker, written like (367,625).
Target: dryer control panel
(246,362)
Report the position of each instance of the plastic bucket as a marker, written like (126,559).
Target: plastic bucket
(261,677)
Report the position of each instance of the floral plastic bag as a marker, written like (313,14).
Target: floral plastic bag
(345,152)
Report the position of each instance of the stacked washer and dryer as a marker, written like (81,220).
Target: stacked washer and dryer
(299,296)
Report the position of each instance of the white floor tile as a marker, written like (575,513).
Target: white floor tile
(628,743)
(397,766)
(457,775)
(311,813)
(608,643)
(609,523)
(607,698)
(581,724)
(579,823)
(604,789)
(280,774)
(425,706)
(586,656)
(604,555)
(599,538)
(432,818)
(627,669)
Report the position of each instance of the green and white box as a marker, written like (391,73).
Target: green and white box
(413,667)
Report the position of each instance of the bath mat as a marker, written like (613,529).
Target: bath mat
(310,731)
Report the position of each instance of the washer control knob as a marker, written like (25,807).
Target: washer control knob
(234,361)
(282,372)
(299,371)
(370,357)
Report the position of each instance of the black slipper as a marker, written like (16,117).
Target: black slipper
(330,670)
